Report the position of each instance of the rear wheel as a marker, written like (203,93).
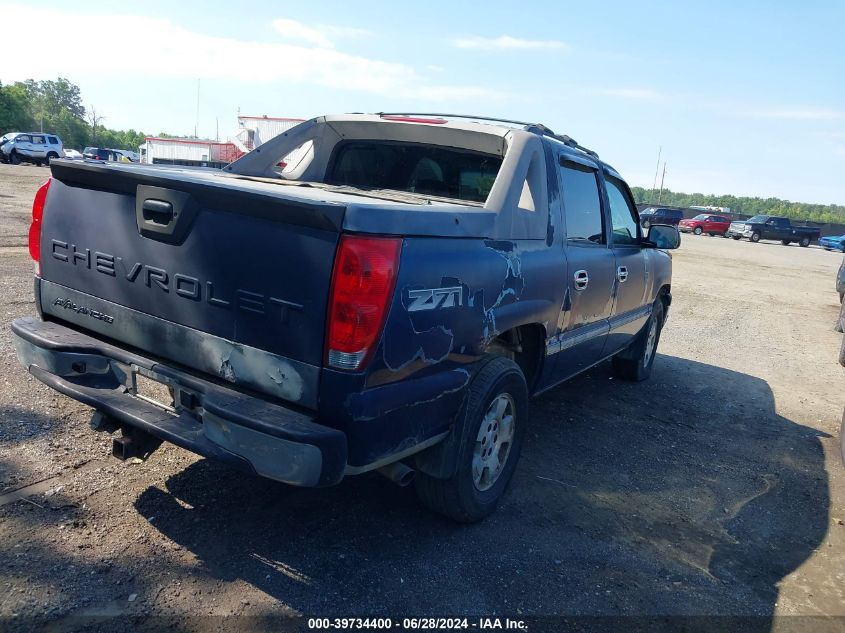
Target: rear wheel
(635,362)
(697,230)
(842,352)
(50,157)
(492,430)
(805,242)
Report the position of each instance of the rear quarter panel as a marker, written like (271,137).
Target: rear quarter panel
(452,298)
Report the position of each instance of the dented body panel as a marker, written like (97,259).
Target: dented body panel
(229,295)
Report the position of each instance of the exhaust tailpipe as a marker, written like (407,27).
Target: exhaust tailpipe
(398,473)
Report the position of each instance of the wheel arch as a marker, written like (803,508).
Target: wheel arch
(524,344)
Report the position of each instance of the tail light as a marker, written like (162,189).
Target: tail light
(37,215)
(363,279)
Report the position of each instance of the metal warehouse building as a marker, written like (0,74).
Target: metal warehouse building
(252,131)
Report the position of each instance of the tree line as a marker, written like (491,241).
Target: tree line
(825,213)
(55,107)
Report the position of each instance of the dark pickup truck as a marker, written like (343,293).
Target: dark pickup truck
(769,227)
(388,300)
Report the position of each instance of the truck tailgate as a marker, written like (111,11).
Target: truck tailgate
(224,280)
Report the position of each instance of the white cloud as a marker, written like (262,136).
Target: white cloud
(294,30)
(504,42)
(170,50)
(804,113)
(630,93)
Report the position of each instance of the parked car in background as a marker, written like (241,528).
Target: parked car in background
(109,155)
(770,227)
(705,223)
(73,154)
(133,157)
(5,139)
(660,215)
(833,243)
(31,147)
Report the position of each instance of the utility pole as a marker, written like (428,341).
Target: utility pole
(662,178)
(656,169)
(217,128)
(197,124)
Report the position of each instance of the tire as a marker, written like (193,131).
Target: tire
(14,158)
(842,352)
(785,242)
(697,230)
(646,224)
(805,242)
(38,163)
(470,495)
(755,237)
(736,237)
(50,157)
(635,363)
(837,327)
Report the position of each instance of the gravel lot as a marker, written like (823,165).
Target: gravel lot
(714,488)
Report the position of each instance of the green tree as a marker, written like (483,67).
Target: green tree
(833,213)
(15,113)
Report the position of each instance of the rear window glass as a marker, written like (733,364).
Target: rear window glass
(415,168)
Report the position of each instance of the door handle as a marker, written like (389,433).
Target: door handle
(622,274)
(581,279)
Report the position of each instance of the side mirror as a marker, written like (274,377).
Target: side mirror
(663,236)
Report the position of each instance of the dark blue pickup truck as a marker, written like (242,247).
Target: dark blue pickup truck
(363,292)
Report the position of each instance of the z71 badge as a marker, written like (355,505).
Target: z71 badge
(434,298)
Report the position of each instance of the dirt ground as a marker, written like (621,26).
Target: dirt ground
(715,488)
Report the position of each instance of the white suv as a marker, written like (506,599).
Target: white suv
(32,147)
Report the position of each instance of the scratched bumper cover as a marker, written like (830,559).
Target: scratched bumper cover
(211,420)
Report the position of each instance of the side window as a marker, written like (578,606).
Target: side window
(38,140)
(581,203)
(622,213)
(53,140)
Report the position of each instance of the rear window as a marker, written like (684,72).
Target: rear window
(415,168)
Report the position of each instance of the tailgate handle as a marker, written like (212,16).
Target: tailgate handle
(158,212)
(165,215)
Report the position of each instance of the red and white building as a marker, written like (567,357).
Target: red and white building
(252,131)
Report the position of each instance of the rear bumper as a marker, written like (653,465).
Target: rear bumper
(208,419)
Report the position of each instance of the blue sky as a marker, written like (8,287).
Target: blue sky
(747,99)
